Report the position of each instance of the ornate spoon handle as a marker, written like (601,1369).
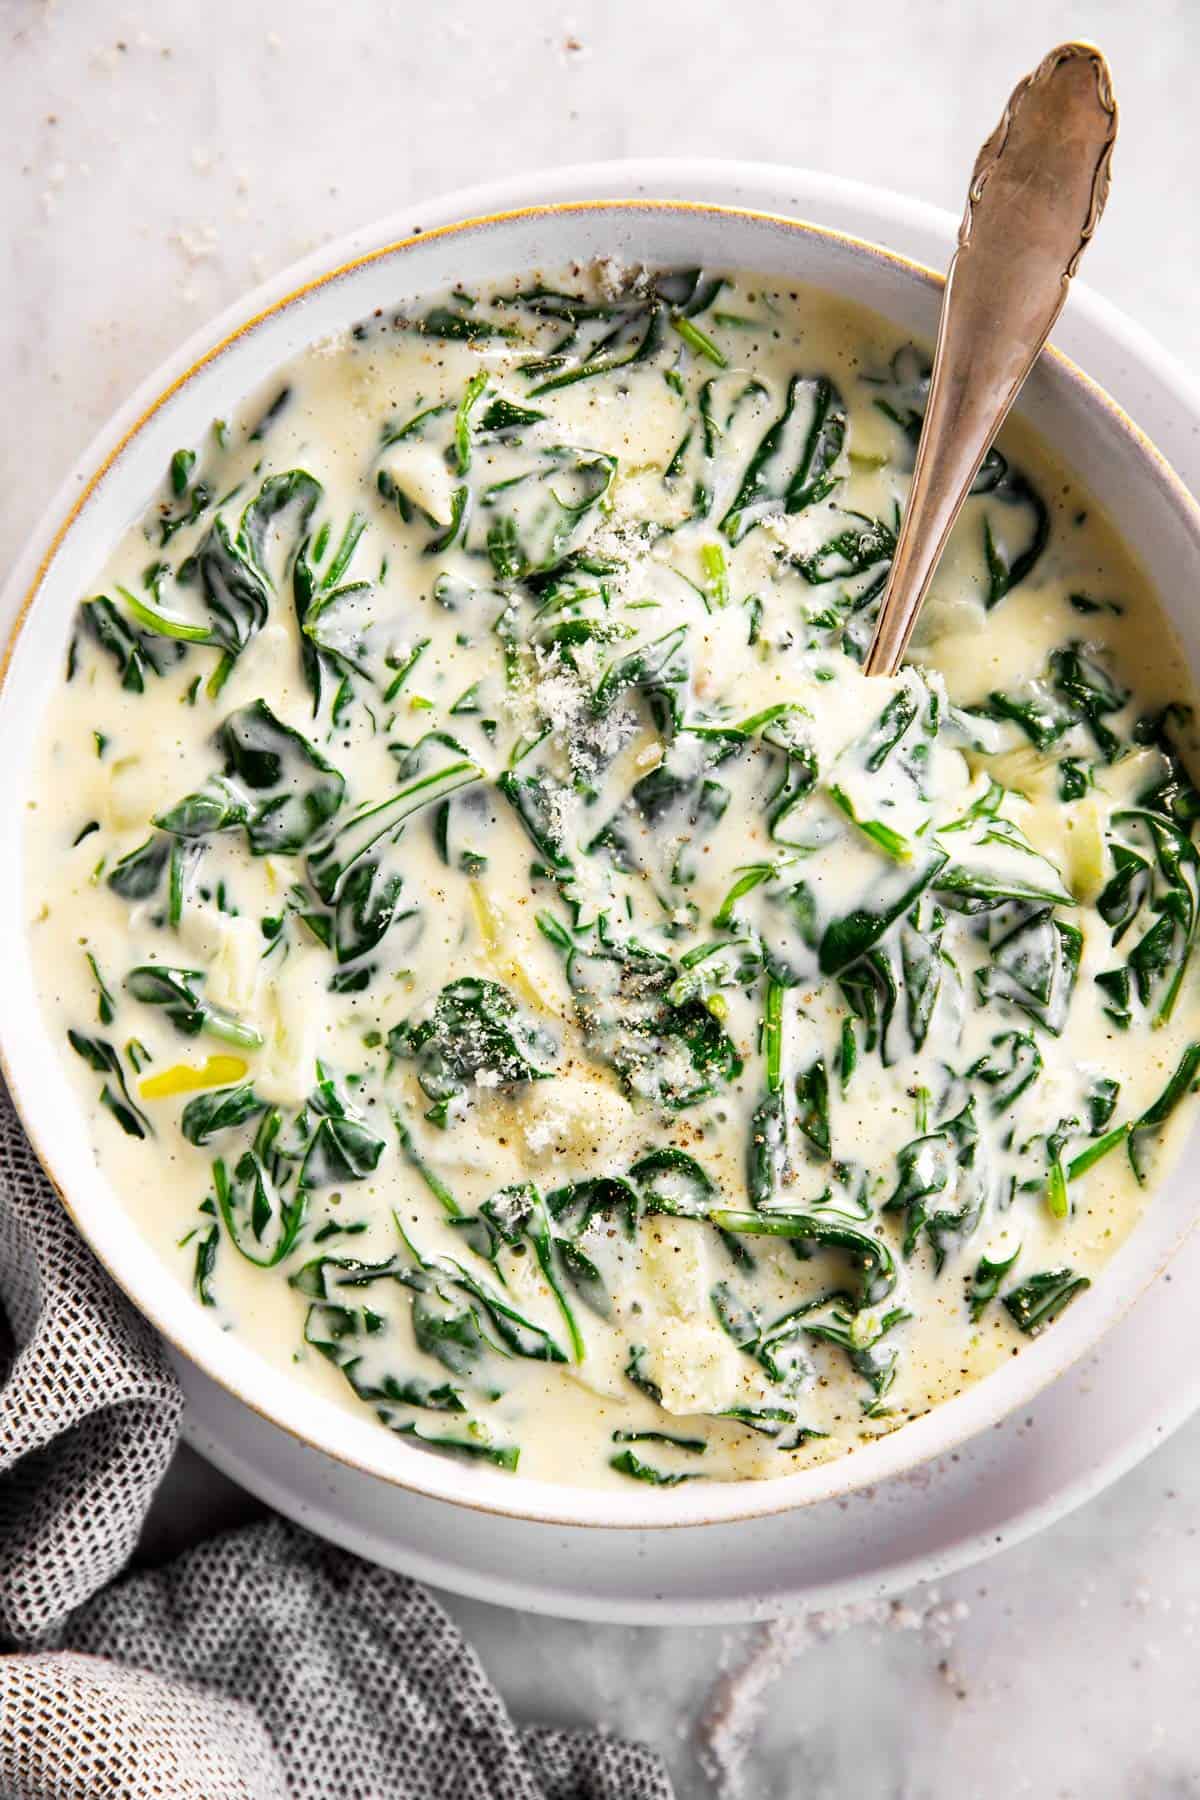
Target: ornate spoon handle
(1036,195)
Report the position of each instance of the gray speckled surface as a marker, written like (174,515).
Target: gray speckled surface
(155,167)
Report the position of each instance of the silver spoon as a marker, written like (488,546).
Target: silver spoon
(1038,188)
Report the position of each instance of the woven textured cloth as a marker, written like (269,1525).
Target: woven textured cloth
(89,1411)
(264,1665)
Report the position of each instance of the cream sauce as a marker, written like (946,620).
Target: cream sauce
(513,547)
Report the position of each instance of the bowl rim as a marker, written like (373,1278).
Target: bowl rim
(418,1471)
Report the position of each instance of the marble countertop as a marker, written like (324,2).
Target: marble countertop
(157,167)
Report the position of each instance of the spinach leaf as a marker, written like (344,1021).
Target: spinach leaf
(192,498)
(204,1265)
(626,1463)
(1101,1102)
(1034,967)
(870,1254)
(507,1329)
(677,795)
(1075,779)
(812,1097)
(1041,714)
(887,731)
(138,874)
(1166,890)
(277,407)
(175,990)
(1174,794)
(939,1162)
(365,909)
(635,1371)
(533,522)
(337,1145)
(221,1110)
(658,669)
(711,967)
(293,496)
(846,939)
(105,1004)
(217,806)
(1075,690)
(574,1206)
(102,1056)
(993,863)
(461,327)
(261,1218)
(1144,1134)
(1004,573)
(136,654)
(672,1182)
(322,659)
(984,1285)
(534,800)
(922,965)
(275,784)
(871,990)
(784,734)
(694,1446)
(793,465)
(776,1422)
(433,1181)
(234,591)
(860,1335)
(851,551)
(778,1348)
(341,1333)
(521,1212)
(457,1318)
(1127,890)
(635,339)
(475,1029)
(1093,693)
(501,416)
(1007,1081)
(363,834)
(302,791)
(882,835)
(926,1167)
(475,1449)
(671,1055)
(1040,1299)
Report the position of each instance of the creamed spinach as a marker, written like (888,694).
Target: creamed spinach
(525,976)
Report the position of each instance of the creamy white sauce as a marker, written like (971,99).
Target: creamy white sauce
(655,796)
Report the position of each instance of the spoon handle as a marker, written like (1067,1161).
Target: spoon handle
(1036,195)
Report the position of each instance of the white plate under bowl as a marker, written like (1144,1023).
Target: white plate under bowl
(1079,1434)
(718,1562)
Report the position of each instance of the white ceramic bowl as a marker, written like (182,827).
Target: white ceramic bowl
(206,380)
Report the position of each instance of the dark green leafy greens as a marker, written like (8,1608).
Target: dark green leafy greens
(880,944)
(475,1032)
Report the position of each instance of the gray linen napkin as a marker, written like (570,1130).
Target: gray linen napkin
(264,1665)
